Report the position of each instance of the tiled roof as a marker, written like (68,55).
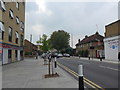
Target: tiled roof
(94,37)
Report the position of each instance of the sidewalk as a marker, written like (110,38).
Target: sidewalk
(30,74)
(103,60)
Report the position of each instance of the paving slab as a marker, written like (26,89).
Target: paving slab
(30,74)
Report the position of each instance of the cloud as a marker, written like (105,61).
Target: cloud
(78,18)
(42,7)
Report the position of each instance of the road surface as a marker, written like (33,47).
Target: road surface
(103,74)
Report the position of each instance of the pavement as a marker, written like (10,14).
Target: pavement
(29,73)
(103,60)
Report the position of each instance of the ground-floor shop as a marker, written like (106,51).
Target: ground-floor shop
(11,53)
(112,47)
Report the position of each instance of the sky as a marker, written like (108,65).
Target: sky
(78,18)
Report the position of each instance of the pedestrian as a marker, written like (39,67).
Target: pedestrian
(36,55)
(119,56)
(89,56)
(100,56)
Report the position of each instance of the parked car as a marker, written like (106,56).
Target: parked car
(59,55)
(66,55)
(43,55)
(53,55)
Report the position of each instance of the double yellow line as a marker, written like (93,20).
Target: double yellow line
(88,82)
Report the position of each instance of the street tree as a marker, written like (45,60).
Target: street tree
(60,40)
(44,43)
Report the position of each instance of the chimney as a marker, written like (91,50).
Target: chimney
(97,33)
(86,36)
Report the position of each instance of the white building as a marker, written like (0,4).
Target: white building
(112,47)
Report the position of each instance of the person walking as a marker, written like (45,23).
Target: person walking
(89,56)
(36,55)
(119,56)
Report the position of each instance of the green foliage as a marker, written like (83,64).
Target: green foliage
(69,50)
(45,43)
(60,40)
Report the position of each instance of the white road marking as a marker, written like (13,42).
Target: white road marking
(109,68)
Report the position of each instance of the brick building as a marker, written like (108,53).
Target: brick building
(112,40)
(91,45)
(30,48)
(12,20)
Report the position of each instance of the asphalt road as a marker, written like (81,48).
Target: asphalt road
(101,73)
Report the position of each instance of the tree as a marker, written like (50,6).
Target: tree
(60,40)
(44,43)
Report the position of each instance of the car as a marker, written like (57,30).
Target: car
(66,55)
(53,55)
(43,55)
(59,55)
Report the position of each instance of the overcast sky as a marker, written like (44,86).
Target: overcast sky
(77,18)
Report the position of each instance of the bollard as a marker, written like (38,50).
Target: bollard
(81,83)
(55,65)
(100,58)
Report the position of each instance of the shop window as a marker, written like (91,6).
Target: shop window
(16,54)
(9,54)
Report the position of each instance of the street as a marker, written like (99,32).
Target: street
(103,74)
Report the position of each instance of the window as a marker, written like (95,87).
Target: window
(2,5)
(9,54)
(22,26)
(21,40)
(2,29)
(16,34)
(17,20)
(11,14)
(17,5)
(10,34)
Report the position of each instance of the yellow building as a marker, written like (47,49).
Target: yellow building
(112,40)
(12,26)
(91,46)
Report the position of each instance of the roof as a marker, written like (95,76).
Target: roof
(30,42)
(112,23)
(92,38)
